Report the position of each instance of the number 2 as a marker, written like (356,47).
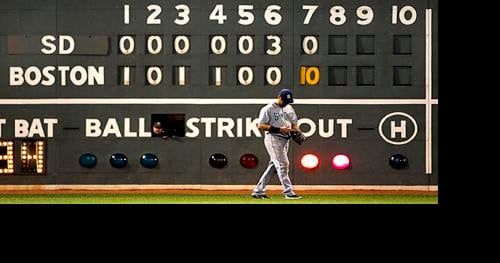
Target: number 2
(152,19)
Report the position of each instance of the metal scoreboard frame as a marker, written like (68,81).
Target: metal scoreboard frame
(83,81)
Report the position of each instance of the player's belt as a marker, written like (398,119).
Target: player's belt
(279,135)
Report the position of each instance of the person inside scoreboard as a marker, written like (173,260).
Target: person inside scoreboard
(158,130)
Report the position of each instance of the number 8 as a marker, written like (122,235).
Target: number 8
(337,15)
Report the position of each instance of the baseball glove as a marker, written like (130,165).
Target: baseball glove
(298,137)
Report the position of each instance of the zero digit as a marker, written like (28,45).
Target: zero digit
(310,40)
(177,44)
(218,45)
(269,76)
(242,80)
(249,43)
(131,45)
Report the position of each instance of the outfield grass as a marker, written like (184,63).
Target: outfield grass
(211,199)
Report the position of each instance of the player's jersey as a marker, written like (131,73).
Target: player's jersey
(277,116)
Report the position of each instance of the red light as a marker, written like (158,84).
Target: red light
(341,162)
(249,161)
(310,161)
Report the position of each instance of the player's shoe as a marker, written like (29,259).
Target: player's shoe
(293,197)
(257,196)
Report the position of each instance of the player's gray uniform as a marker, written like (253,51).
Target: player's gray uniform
(276,146)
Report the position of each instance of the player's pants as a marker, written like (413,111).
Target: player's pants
(277,148)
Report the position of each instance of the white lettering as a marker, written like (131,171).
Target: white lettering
(70,41)
(50,47)
(322,132)
(343,124)
(193,131)
(29,72)
(36,129)
(50,126)
(251,127)
(73,75)
(96,76)
(21,128)
(312,126)
(16,76)
(127,132)
(92,128)
(112,128)
(63,70)
(142,128)
(49,78)
(225,125)
(239,127)
(398,129)
(208,126)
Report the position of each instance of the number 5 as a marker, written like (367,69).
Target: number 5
(245,14)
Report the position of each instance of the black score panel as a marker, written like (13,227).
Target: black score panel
(155,92)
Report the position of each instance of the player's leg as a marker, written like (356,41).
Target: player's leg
(260,188)
(282,167)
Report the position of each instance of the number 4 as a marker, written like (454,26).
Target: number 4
(218,14)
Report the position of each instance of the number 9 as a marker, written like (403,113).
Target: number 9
(365,14)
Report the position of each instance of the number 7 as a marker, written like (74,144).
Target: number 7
(310,11)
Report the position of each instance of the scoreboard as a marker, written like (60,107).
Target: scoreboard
(83,81)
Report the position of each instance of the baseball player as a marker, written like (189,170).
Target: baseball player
(278,120)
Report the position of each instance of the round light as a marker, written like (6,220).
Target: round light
(149,160)
(218,160)
(118,160)
(398,161)
(249,161)
(309,161)
(88,160)
(341,162)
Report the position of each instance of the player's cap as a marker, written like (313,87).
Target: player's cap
(157,124)
(286,96)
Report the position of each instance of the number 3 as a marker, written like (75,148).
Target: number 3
(183,14)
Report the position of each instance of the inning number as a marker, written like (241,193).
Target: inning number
(402,15)
(218,14)
(365,14)
(337,15)
(310,11)
(183,15)
(152,19)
